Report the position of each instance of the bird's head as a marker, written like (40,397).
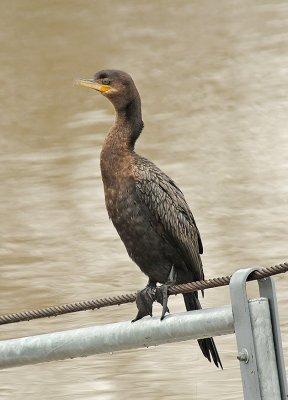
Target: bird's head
(116,85)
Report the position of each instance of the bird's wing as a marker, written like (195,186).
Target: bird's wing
(167,204)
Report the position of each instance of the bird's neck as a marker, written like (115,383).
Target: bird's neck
(126,128)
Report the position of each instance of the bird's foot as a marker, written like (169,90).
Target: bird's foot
(144,301)
(162,298)
(162,292)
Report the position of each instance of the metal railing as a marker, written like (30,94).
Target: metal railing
(255,323)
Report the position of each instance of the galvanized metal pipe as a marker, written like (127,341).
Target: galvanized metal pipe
(114,337)
(264,349)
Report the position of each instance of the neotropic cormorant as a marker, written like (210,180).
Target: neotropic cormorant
(146,207)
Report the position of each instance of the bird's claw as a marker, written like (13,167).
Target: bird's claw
(144,301)
(146,297)
(162,291)
(162,298)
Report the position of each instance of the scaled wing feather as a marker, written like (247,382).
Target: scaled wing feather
(167,204)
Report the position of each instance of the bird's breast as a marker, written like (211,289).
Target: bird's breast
(119,186)
(141,234)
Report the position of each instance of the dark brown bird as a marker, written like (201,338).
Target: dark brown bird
(146,207)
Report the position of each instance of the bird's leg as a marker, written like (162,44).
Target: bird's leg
(162,291)
(144,300)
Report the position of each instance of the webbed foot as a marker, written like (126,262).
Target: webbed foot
(144,301)
(162,292)
(162,298)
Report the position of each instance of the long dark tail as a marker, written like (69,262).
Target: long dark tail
(207,346)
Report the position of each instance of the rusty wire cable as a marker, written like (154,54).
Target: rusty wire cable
(130,298)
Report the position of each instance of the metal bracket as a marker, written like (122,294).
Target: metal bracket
(268,290)
(244,333)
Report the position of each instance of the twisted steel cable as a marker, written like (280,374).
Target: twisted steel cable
(130,298)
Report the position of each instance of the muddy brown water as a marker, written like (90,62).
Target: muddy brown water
(213,79)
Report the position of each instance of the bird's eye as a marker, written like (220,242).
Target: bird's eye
(106,81)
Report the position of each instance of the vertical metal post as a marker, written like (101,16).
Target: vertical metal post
(268,290)
(264,349)
(258,340)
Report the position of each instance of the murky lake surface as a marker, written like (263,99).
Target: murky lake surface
(213,79)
